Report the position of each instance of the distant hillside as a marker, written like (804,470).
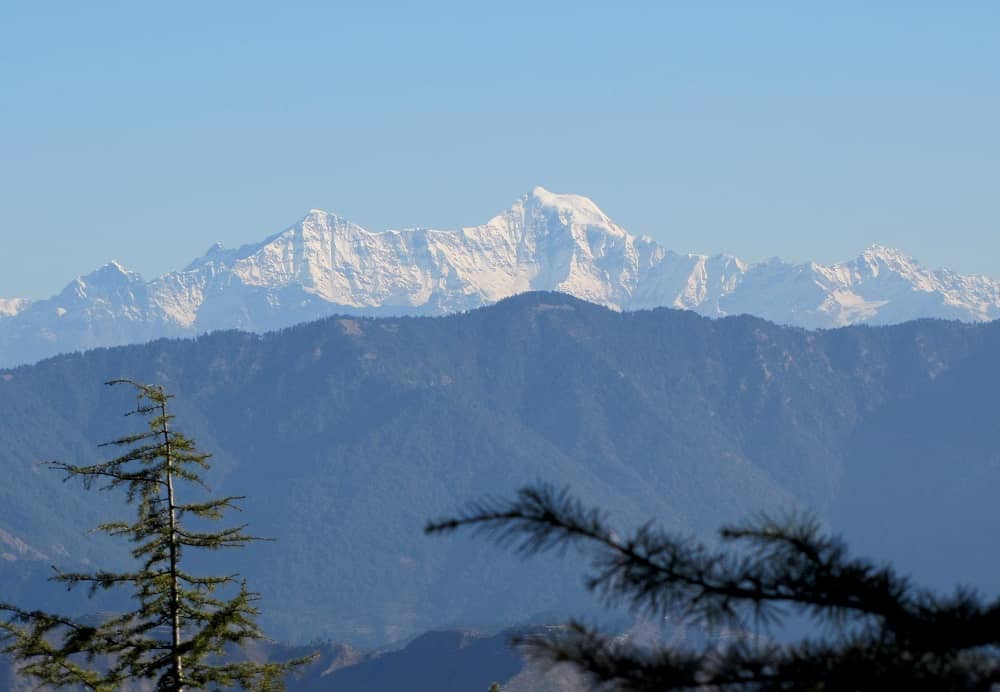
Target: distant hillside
(349,433)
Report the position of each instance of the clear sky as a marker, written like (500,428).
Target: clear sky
(143,132)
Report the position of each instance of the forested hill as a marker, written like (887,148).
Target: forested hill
(349,433)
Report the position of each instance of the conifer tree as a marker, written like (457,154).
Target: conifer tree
(183,624)
(879,631)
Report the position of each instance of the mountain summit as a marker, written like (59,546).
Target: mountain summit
(325,264)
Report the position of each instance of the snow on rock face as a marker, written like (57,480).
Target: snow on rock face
(11,306)
(325,264)
(544,241)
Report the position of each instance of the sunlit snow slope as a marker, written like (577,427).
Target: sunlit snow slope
(325,264)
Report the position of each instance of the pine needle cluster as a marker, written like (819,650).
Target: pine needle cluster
(880,632)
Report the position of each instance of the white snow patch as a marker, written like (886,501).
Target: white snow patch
(11,306)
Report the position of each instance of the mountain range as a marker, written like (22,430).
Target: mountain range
(325,265)
(349,433)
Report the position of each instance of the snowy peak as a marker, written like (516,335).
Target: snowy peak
(541,213)
(571,209)
(325,264)
(878,258)
(567,243)
(113,271)
(878,252)
(306,254)
(111,276)
(109,290)
(549,211)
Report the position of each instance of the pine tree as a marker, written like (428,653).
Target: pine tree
(184,627)
(880,632)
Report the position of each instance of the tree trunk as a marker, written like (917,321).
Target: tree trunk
(175,621)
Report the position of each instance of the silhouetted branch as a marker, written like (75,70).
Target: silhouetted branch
(883,628)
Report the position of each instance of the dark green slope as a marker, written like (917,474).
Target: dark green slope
(347,434)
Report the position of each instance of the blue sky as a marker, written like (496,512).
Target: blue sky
(145,132)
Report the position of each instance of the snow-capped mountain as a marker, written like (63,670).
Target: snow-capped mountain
(881,286)
(325,264)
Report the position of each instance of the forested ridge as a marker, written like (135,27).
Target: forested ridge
(348,433)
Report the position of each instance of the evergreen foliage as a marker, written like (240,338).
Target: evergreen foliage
(183,624)
(881,631)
